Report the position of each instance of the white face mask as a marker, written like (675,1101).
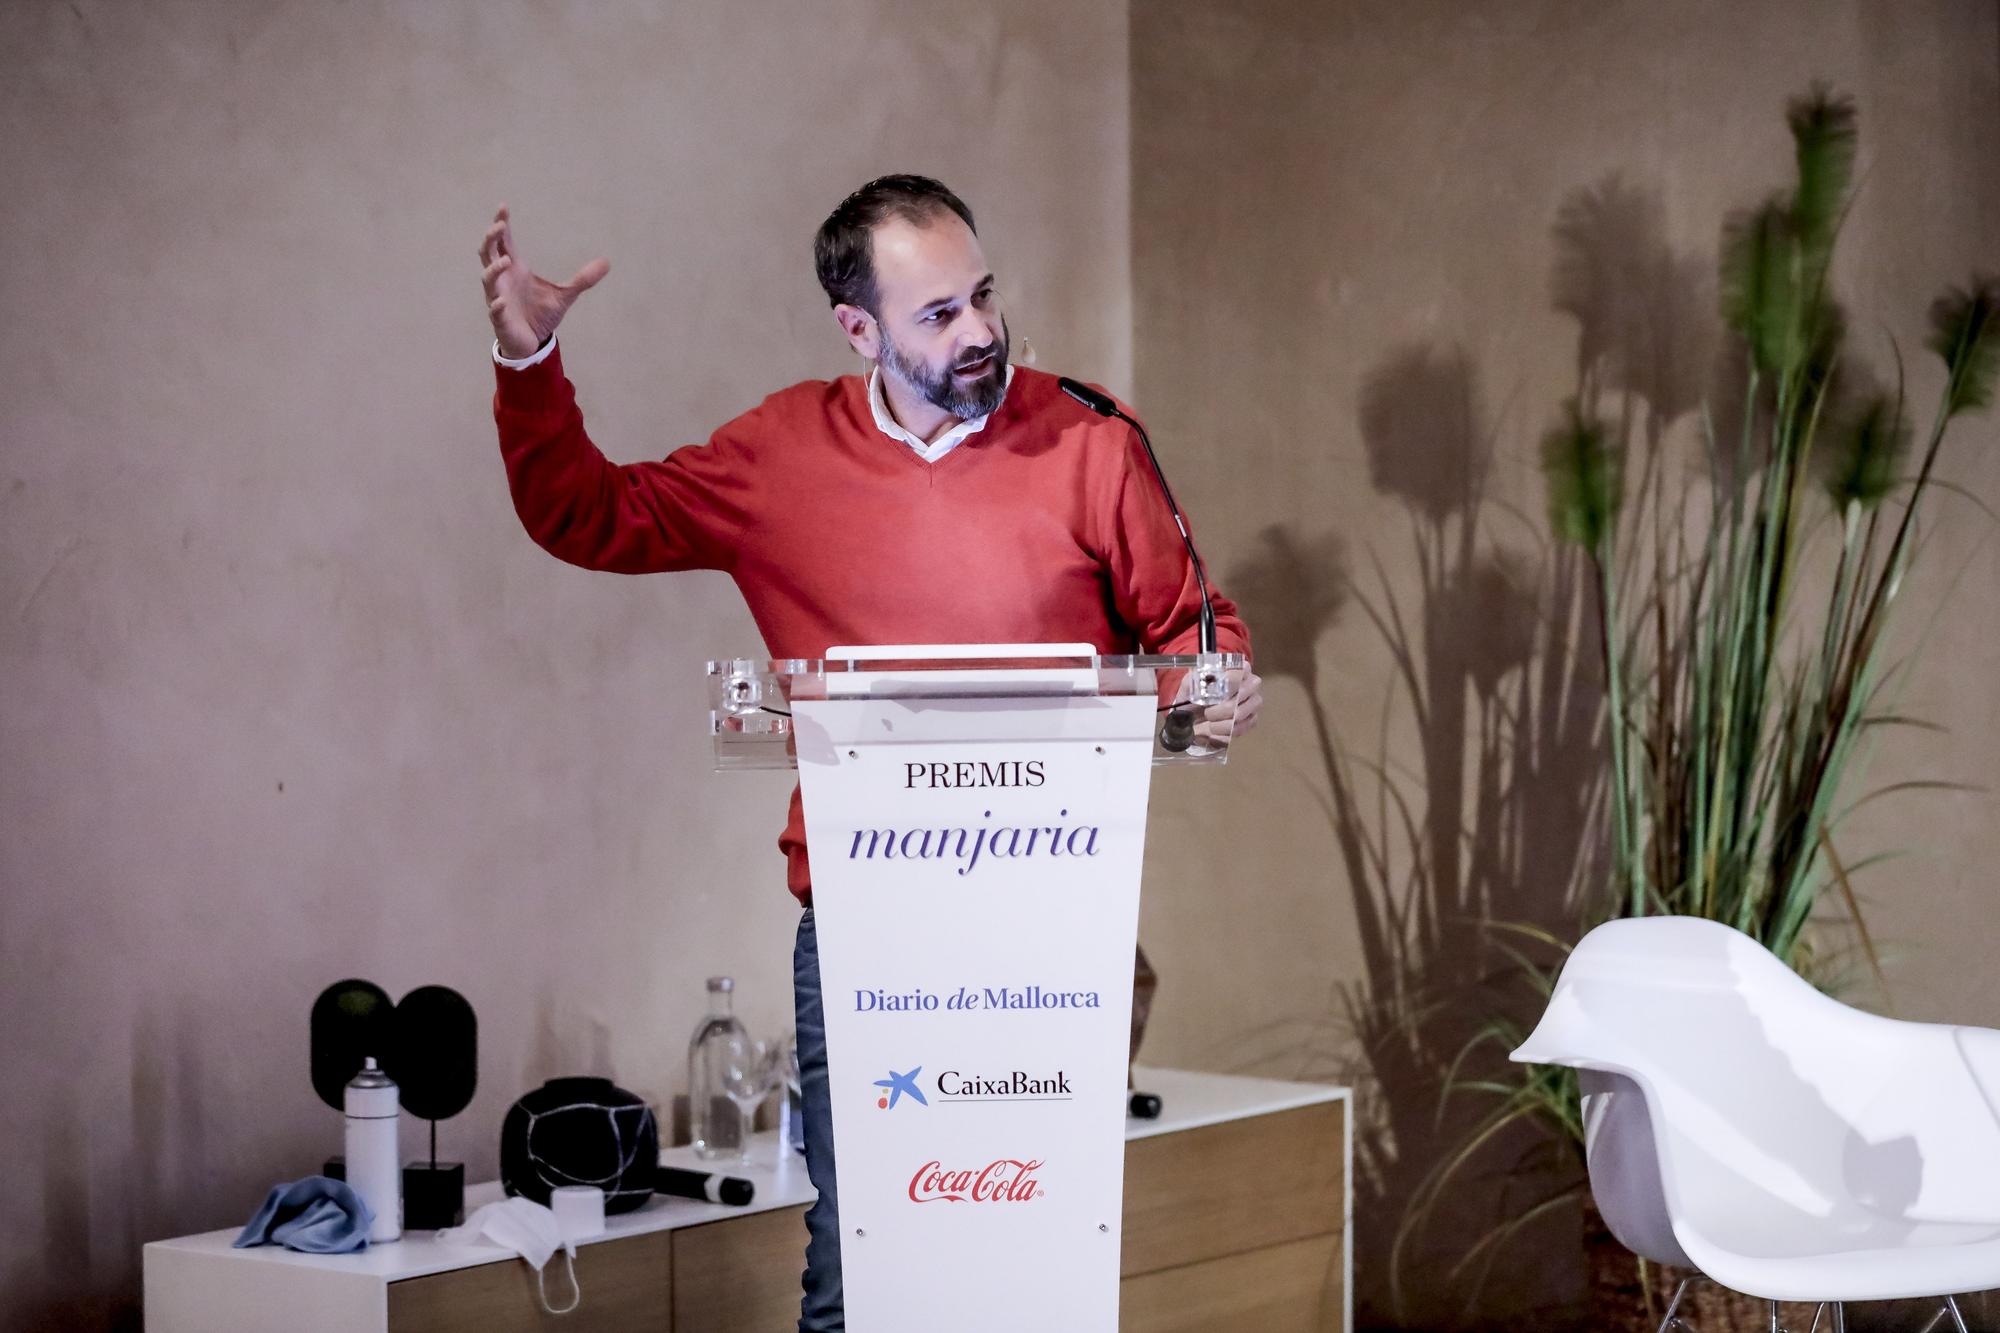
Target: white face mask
(526,1228)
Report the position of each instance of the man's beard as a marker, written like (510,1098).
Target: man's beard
(947,391)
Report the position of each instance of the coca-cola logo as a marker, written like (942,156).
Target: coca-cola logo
(1009,1180)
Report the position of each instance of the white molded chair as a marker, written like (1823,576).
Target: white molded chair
(1744,1125)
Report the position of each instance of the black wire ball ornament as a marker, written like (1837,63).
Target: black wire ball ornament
(580,1131)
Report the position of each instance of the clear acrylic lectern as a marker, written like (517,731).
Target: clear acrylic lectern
(976,822)
(750,700)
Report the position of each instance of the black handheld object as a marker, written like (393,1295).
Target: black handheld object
(686,1184)
(1104,406)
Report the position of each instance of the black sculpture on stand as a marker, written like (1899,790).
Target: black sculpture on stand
(434,1057)
(429,1044)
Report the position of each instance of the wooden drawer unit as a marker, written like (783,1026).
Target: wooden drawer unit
(740,1276)
(627,1285)
(1238,1225)
(1242,1185)
(1292,1288)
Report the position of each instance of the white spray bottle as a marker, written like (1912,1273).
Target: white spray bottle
(374,1153)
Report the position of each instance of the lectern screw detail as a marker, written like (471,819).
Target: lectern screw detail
(852,755)
(1104,1226)
(859,1232)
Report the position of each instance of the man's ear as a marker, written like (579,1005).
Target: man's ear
(863,334)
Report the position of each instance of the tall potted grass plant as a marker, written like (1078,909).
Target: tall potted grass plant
(1746,609)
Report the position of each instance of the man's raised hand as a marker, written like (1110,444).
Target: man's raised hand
(524,306)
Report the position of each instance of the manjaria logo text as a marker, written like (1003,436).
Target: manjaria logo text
(1044,841)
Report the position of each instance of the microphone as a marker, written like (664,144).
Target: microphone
(701,1185)
(1101,403)
(1177,733)
(1105,406)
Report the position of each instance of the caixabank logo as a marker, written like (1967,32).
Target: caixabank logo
(898,1086)
(955,1088)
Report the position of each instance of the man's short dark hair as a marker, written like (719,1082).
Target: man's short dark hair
(844,252)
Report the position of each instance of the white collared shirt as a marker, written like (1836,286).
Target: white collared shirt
(944,443)
(877,404)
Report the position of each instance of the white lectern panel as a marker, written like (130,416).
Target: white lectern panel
(975,870)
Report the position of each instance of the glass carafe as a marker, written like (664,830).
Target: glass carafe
(714,1123)
(792,1113)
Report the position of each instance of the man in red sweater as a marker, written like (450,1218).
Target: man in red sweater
(948,497)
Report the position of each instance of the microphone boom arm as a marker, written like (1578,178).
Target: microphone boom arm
(1210,687)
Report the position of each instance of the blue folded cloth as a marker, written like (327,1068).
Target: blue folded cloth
(316,1215)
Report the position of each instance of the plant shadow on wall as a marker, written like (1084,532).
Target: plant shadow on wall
(1490,1182)
(1464,806)
(1643,714)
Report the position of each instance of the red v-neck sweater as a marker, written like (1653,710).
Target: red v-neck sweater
(1044,527)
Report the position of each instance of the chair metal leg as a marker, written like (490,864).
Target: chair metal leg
(1674,1305)
(1934,1321)
(1839,1323)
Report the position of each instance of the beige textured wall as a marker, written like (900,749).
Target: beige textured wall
(253,532)
(1342,220)
(288,694)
